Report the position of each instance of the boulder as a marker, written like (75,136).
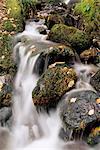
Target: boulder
(90,56)
(60,53)
(78,39)
(80,114)
(52,85)
(53,19)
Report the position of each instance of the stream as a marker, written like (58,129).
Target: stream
(30,130)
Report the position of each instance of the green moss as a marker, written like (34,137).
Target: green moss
(14,11)
(14,8)
(90,11)
(6,62)
(7,25)
(87,8)
(65,34)
(54,83)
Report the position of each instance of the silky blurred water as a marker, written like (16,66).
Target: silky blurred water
(30,130)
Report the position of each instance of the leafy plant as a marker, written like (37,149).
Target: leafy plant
(86,8)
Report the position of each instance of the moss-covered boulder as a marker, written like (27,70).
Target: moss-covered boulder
(95,81)
(90,56)
(85,117)
(53,19)
(54,83)
(65,34)
(57,54)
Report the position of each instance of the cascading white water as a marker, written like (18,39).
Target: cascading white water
(33,131)
(30,130)
(84,72)
(71,1)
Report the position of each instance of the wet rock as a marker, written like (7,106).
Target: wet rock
(5,78)
(80,114)
(90,56)
(53,19)
(5,94)
(95,81)
(42,30)
(65,34)
(9,122)
(71,20)
(61,53)
(5,114)
(52,85)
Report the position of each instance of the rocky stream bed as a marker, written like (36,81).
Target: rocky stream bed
(68,65)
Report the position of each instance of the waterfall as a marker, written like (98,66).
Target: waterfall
(30,130)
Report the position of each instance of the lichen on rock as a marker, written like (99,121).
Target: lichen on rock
(52,85)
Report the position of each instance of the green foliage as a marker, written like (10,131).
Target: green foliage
(65,34)
(7,25)
(5,52)
(86,8)
(26,6)
(14,8)
(90,12)
(13,11)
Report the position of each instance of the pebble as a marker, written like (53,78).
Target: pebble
(73,100)
(91,112)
